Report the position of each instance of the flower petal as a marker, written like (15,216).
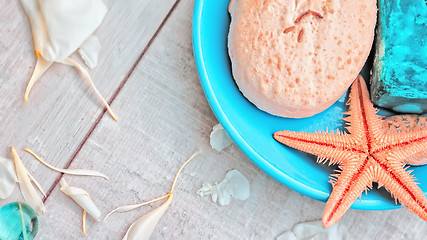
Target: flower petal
(89,51)
(79,172)
(60,27)
(82,198)
(85,74)
(134,206)
(36,183)
(27,189)
(41,67)
(144,227)
(8,178)
(84,222)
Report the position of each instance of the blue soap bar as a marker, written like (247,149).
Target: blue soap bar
(399,78)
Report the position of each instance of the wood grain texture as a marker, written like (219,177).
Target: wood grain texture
(61,107)
(165,118)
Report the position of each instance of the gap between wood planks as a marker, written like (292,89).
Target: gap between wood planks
(122,83)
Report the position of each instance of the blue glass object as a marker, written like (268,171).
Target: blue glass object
(18,221)
(399,79)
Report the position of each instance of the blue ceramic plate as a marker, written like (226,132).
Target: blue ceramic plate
(252,129)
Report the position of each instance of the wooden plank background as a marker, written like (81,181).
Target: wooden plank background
(148,72)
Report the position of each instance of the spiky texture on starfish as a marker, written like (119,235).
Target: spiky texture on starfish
(368,153)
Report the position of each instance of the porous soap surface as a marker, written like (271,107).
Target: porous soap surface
(296,58)
(399,79)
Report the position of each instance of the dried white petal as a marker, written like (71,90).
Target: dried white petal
(234,185)
(27,189)
(79,172)
(8,178)
(89,51)
(127,208)
(37,184)
(85,74)
(82,198)
(144,227)
(219,138)
(41,67)
(84,222)
(38,29)
(314,231)
(60,27)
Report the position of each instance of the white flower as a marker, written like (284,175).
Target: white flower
(315,231)
(59,28)
(8,178)
(219,138)
(234,185)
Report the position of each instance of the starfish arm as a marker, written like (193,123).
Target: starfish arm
(417,159)
(401,185)
(406,154)
(403,143)
(350,185)
(362,119)
(329,146)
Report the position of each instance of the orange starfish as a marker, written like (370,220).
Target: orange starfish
(367,154)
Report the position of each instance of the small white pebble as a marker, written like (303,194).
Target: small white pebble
(234,185)
(219,138)
(314,231)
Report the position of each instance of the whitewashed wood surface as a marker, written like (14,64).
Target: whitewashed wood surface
(148,72)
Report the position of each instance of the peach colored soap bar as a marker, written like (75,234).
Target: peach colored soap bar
(296,58)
